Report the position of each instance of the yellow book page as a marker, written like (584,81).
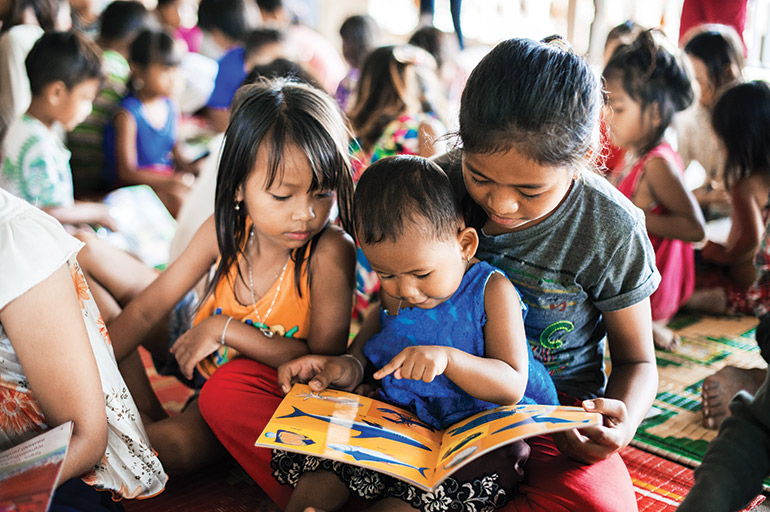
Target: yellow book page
(472,437)
(356,430)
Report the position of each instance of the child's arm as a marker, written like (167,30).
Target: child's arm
(745,231)
(331,296)
(126,158)
(144,312)
(499,377)
(83,212)
(630,391)
(55,352)
(684,220)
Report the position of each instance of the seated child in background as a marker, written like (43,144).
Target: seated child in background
(65,73)
(389,116)
(141,144)
(61,367)
(449,340)
(121,21)
(263,46)
(646,85)
(360,35)
(612,157)
(741,120)
(227,23)
(451,75)
(178,17)
(716,54)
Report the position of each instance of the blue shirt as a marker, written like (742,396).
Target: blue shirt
(232,72)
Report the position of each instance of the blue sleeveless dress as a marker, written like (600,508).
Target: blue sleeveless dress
(458,322)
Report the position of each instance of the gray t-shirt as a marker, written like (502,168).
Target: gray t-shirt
(591,255)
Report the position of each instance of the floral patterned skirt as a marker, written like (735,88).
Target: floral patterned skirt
(484,485)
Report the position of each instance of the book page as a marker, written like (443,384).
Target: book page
(481,433)
(29,472)
(356,430)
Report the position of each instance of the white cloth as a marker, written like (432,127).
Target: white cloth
(15,95)
(33,245)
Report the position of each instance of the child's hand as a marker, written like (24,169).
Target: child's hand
(193,346)
(417,363)
(320,372)
(593,444)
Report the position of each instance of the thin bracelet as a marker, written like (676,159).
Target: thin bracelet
(222,339)
(360,364)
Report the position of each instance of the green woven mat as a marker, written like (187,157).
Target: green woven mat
(674,427)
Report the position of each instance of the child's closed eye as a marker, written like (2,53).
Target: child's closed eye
(422,276)
(323,194)
(478,181)
(280,198)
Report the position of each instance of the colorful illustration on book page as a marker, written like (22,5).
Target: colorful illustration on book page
(482,432)
(354,429)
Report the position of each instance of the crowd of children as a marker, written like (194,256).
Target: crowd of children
(458,218)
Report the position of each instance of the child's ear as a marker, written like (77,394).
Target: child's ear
(55,92)
(655,116)
(468,239)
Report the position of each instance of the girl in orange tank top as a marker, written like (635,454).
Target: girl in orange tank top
(283,165)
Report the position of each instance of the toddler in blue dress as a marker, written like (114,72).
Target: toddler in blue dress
(449,342)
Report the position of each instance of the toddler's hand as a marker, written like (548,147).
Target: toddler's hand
(593,444)
(193,346)
(420,362)
(320,372)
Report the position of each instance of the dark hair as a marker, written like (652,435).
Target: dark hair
(654,77)
(270,5)
(434,41)
(231,17)
(359,36)
(398,190)
(154,47)
(260,37)
(269,116)
(382,89)
(46,12)
(538,98)
(62,56)
(280,68)
(625,29)
(719,47)
(122,20)
(741,119)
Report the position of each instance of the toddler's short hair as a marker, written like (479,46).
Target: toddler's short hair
(397,191)
(62,56)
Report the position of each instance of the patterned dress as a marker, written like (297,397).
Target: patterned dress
(34,245)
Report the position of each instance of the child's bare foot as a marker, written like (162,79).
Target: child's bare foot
(712,301)
(664,338)
(719,388)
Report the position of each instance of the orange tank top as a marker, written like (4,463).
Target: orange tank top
(289,316)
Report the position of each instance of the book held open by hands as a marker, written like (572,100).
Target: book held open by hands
(373,434)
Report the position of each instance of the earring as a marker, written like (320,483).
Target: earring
(138,84)
(237,206)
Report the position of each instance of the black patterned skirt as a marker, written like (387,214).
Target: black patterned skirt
(484,485)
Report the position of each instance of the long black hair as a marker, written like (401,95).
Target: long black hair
(268,116)
(741,119)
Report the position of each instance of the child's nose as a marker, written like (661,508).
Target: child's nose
(305,213)
(503,202)
(408,290)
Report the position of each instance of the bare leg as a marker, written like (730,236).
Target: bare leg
(663,337)
(719,388)
(712,301)
(122,275)
(134,374)
(321,488)
(184,442)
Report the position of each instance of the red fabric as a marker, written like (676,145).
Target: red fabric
(555,483)
(675,259)
(237,402)
(726,12)
(611,158)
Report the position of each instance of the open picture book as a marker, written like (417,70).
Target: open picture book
(29,472)
(369,433)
